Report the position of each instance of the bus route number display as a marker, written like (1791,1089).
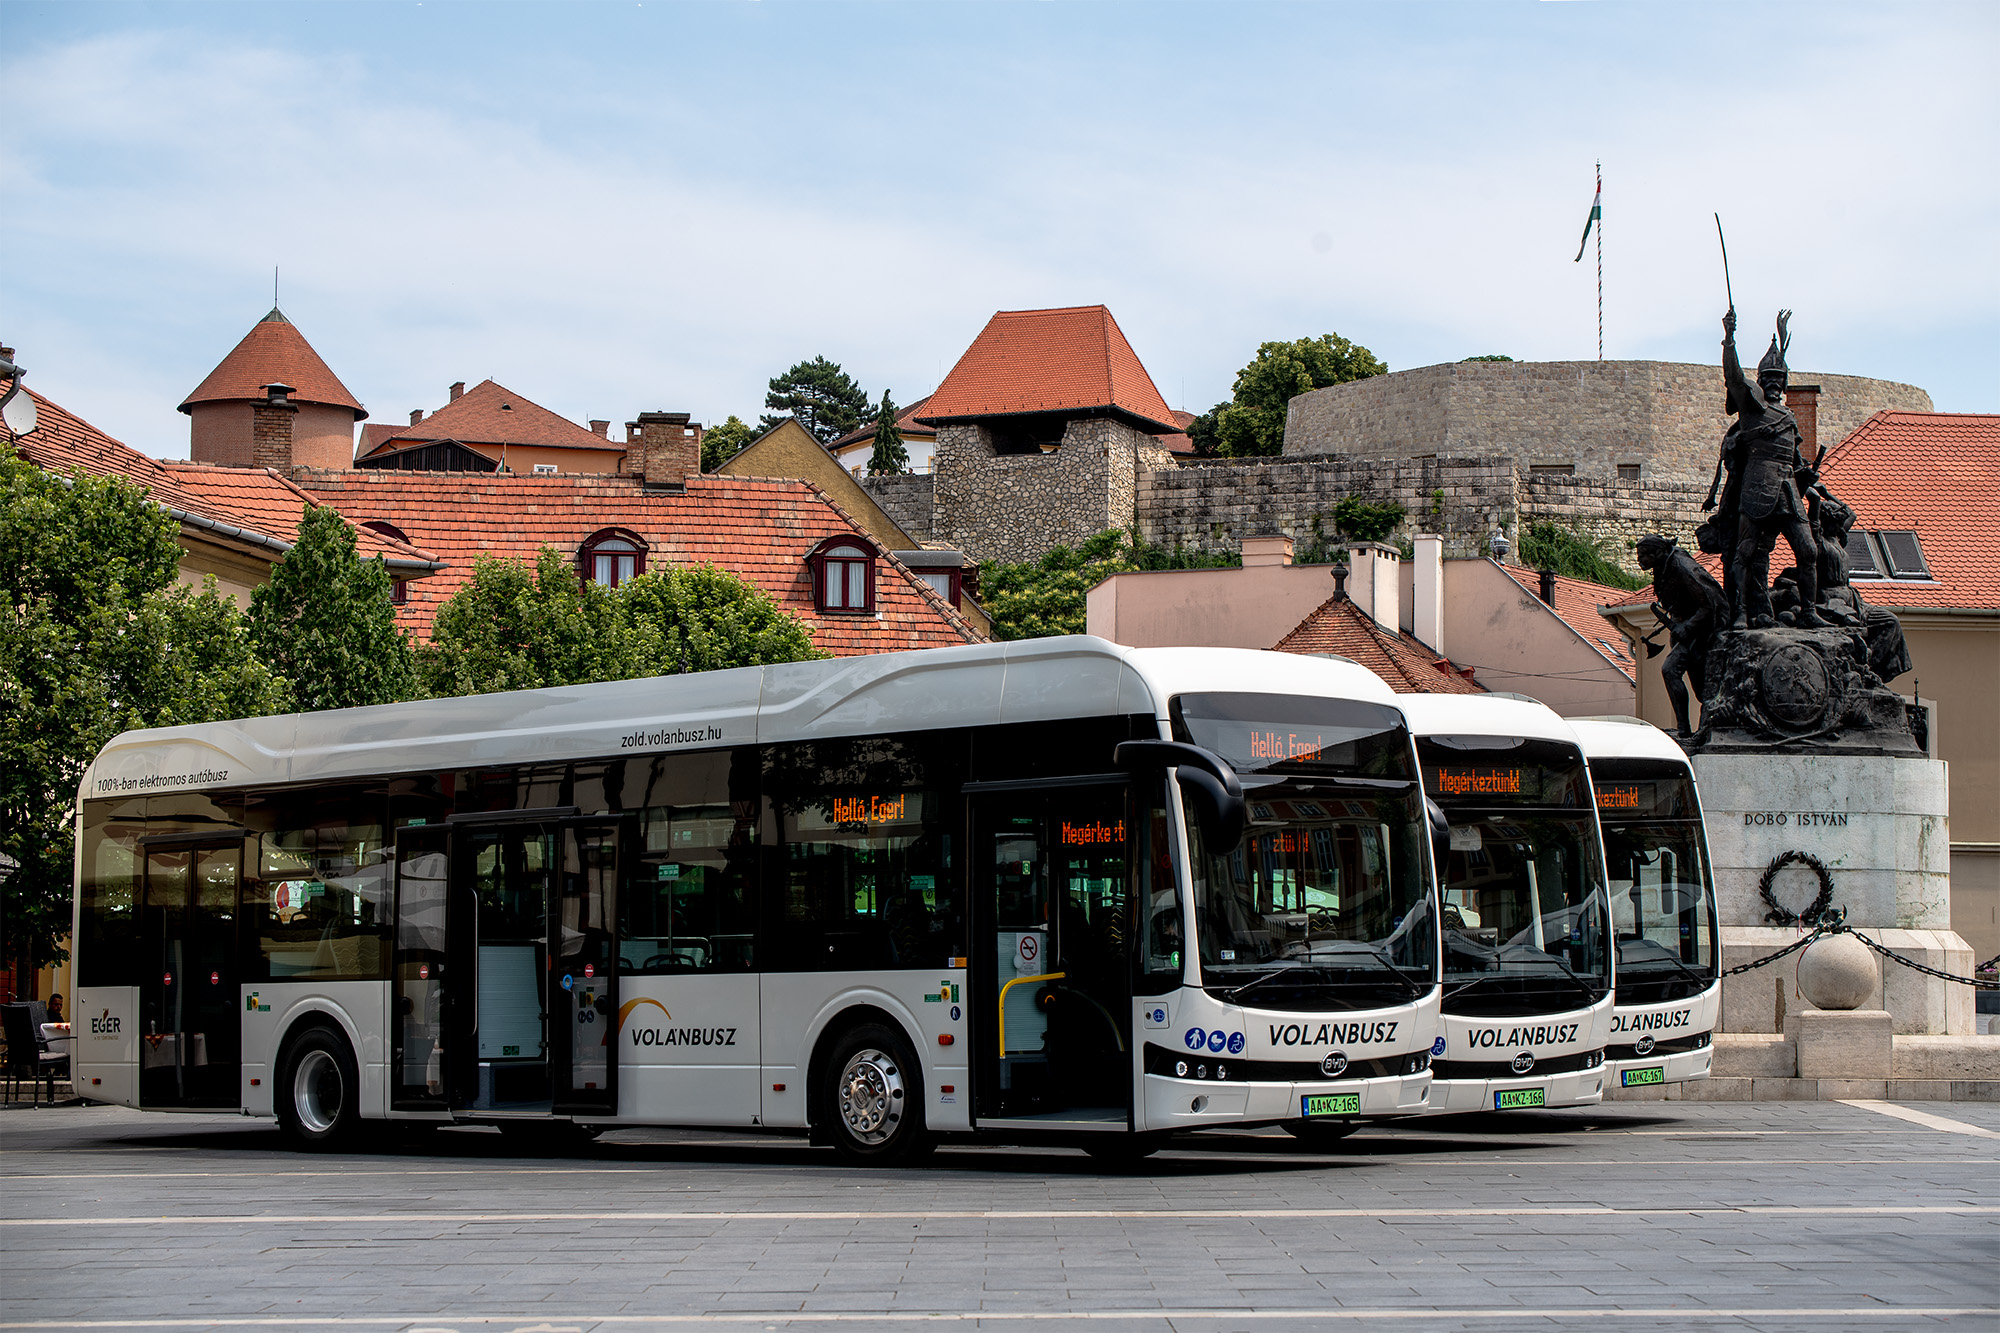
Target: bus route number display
(1335,1103)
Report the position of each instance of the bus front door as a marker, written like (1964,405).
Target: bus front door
(190,1033)
(1051,979)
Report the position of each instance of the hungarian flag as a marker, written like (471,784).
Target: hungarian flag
(1596,217)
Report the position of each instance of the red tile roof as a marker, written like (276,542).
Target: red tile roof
(491,414)
(256,500)
(1069,360)
(274,352)
(1936,474)
(1576,606)
(759,529)
(906,420)
(1339,626)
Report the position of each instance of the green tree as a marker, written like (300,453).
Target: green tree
(1493,357)
(325,621)
(511,628)
(889,457)
(1362,521)
(97,637)
(705,619)
(819,393)
(721,443)
(1205,432)
(1548,545)
(1038,598)
(1253,423)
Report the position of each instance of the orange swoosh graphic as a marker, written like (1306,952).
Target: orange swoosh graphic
(626,1008)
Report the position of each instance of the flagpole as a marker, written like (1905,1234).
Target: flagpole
(1600,265)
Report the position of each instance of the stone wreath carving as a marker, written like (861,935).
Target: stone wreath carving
(1780,915)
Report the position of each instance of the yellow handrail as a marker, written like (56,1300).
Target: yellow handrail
(1046,976)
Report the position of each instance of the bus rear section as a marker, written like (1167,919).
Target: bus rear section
(1528,964)
(1669,991)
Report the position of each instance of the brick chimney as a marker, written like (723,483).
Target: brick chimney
(1803,400)
(416,416)
(1259,552)
(271,424)
(601,429)
(664,448)
(456,390)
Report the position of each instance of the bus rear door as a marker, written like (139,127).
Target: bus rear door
(190,1032)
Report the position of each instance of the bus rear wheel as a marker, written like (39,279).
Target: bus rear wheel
(319,1090)
(873,1097)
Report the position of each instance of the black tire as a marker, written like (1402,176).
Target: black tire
(872,1097)
(319,1090)
(1320,1133)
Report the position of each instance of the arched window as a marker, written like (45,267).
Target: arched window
(843,575)
(611,557)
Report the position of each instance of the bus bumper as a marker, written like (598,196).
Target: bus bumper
(1672,1067)
(1455,1096)
(1178,1103)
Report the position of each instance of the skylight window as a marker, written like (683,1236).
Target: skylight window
(1889,553)
(1861,561)
(1905,555)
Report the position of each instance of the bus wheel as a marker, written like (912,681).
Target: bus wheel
(1319,1133)
(319,1090)
(874,1097)
(1112,1149)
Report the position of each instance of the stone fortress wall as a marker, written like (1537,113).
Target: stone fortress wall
(1014,507)
(1663,417)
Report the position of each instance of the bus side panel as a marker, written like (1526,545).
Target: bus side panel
(104,1020)
(927,1005)
(272,1010)
(687,1049)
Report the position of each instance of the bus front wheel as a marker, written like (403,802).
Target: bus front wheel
(319,1090)
(873,1097)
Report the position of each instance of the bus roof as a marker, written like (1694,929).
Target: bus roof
(1034,680)
(1482,715)
(1624,738)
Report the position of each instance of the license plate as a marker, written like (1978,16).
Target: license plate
(1518,1098)
(1637,1078)
(1336,1103)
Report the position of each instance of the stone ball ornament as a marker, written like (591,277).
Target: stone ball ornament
(1837,972)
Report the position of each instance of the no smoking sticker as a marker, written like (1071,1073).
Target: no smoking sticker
(1030,948)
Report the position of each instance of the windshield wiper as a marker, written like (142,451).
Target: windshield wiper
(1379,956)
(1664,957)
(1546,956)
(1254,982)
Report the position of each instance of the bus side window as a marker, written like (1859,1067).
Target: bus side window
(689,900)
(1158,903)
(317,892)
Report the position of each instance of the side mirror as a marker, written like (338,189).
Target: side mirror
(1216,797)
(1440,838)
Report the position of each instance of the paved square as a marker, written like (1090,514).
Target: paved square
(1659,1215)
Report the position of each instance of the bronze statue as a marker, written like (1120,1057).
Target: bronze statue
(1772,475)
(1692,606)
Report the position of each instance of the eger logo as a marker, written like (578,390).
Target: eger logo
(671,1036)
(104,1025)
(1653,1022)
(1327,1034)
(1553,1034)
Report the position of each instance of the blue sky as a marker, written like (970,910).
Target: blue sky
(613,207)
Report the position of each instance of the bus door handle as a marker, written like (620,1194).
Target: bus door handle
(1017,981)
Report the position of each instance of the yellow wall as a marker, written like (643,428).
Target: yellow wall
(787,450)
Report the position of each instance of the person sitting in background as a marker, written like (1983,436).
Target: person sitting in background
(56,1014)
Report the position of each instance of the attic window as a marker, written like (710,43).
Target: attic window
(1861,560)
(387,529)
(843,576)
(1904,554)
(611,557)
(399,591)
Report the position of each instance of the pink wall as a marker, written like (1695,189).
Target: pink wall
(322,436)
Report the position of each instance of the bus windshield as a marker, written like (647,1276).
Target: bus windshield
(1523,902)
(1662,902)
(1325,904)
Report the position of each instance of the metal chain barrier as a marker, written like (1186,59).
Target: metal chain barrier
(1834,922)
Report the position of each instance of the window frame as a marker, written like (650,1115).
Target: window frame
(1892,567)
(844,550)
(586,555)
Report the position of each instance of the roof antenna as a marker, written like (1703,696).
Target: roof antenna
(274,286)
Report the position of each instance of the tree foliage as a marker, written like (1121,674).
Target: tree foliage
(819,393)
(1548,545)
(97,637)
(510,627)
(1253,423)
(889,457)
(325,621)
(1039,598)
(721,443)
(1366,521)
(1490,357)
(1205,432)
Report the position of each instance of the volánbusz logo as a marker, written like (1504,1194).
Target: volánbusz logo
(1550,1034)
(650,1036)
(1333,1034)
(1655,1022)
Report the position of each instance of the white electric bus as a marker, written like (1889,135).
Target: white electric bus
(1528,963)
(1669,990)
(1054,890)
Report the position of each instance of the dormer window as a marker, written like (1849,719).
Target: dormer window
(387,529)
(612,557)
(843,575)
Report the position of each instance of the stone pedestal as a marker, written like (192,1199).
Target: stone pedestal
(1846,1043)
(1878,824)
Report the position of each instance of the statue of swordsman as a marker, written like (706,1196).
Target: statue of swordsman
(1773,474)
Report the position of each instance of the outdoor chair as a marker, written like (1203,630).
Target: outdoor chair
(28,1052)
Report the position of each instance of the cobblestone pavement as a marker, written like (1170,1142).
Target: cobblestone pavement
(1819,1216)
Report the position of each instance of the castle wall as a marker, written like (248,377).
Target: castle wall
(1664,418)
(906,499)
(1015,507)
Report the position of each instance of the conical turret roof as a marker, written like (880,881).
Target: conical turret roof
(274,352)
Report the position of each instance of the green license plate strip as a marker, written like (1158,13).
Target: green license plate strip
(1516,1098)
(1335,1103)
(1637,1078)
